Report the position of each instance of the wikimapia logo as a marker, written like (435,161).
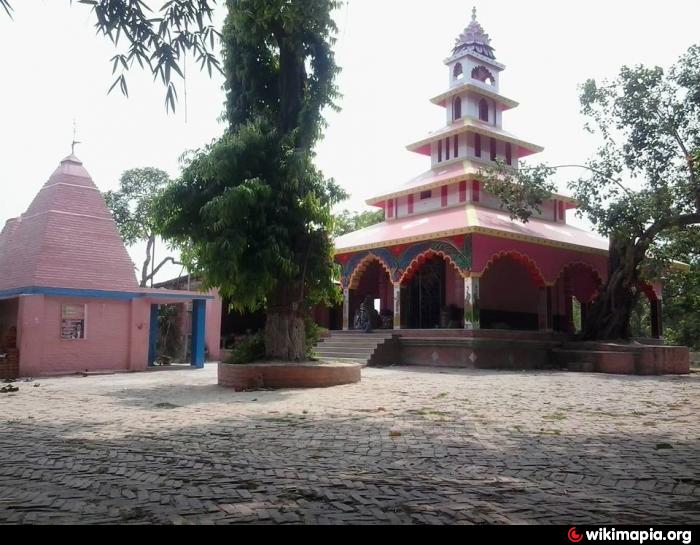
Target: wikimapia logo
(637,536)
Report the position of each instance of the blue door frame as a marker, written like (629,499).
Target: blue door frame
(198,332)
(153,336)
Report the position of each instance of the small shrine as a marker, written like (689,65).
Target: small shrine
(69,299)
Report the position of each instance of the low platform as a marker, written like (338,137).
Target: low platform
(501,349)
(277,376)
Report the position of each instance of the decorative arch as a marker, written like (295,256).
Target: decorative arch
(414,257)
(522,259)
(458,71)
(649,291)
(360,266)
(483,74)
(457,108)
(580,265)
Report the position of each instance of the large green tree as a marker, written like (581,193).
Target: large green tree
(642,184)
(253,207)
(132,207)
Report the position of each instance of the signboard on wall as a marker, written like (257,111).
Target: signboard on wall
(72,322)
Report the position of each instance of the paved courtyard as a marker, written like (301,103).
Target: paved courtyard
(407,445)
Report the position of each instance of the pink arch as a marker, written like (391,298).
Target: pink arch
(580,265)
(420,259)
(526,261)
(356,275)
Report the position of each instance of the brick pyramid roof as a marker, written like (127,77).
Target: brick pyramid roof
(67,238)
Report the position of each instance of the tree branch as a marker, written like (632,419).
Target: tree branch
(160,266)
(598,172)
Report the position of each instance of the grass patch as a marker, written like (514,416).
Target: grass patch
(168,406)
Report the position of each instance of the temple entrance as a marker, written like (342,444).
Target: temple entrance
(372,281)
(510,295)
(426,295)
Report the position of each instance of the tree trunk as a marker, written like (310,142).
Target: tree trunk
(144,270)
(285,333)
(609,315)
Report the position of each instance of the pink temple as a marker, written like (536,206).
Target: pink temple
(448,255)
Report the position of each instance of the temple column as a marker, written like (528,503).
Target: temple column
(657,328)
(397,306)
(545,309)
(569,326)
(471,303)
(346,309)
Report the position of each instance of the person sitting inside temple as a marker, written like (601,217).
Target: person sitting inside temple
(363,317)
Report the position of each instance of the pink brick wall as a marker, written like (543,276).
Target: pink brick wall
(116,336)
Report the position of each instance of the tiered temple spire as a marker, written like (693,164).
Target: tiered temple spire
(474,39)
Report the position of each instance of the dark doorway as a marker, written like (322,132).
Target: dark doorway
(427,295)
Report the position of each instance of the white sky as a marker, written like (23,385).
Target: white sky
(53,68)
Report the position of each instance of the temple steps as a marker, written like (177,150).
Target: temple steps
(355,347)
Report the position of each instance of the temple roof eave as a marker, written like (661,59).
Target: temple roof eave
(441,99)
(469,231)
(448,173)
(467,124)
(470,219)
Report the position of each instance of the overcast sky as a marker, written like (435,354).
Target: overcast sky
(53,69)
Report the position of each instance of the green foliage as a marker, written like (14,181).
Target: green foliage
(252,208)
(521,191)
(249,350)
(642,185)
(349,222)
(133,205)
(133,210)
(156,40)
(313,336)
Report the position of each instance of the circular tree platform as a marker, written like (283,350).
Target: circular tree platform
(277,376)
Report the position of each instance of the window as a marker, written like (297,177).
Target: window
(475,191)
(456,145)
(477,145)
(390,211)
(447,149)
(443,194)
(481,73)
(426,195)
(462,191)
(410,203)
(493,149)
(439,151)
(484,110)
(509,153)
(458,71)
(73,322)
(457,108)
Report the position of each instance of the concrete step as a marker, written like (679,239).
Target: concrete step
(361,361)
(364,354)
(350,344)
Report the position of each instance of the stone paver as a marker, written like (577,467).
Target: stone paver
(407,445)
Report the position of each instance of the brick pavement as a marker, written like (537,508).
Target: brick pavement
(406,446)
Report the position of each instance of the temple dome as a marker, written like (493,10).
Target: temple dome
(474,39)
